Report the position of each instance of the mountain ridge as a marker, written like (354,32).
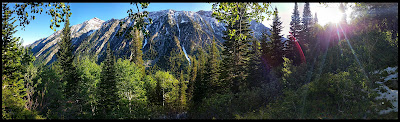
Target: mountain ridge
(190,29)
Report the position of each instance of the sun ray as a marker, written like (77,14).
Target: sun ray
(354,53)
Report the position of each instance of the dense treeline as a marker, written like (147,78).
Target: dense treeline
(319,72)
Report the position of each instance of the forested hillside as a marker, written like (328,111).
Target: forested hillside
(222,64)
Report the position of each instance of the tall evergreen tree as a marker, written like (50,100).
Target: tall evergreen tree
(136,50)
(107,87)
(192,78)
(12,70)
(255,69)
(307,19)
(291,51)
(212,69)
(276,45)
(65,58)
(182,94)
(199,86)
(295,26)
(307,23)
(235,54)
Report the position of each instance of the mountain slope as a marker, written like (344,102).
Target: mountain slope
(183,30)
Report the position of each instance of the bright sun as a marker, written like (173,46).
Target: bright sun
(330,14)
(333,16)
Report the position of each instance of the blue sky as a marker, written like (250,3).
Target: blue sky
(40,27)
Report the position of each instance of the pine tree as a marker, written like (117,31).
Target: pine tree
(182,92)
(107,87)
(12,70)
(295,26)
(307,23)
(237,35)
(291,51)
(212,69)
(192,78)
(235,54)
(136,50)
(276,45)
(199,86)
(65,58)
(307,19)
(255,69)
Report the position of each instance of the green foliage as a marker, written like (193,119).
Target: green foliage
(276,45)
(65,58)
(131,92)
(150,87)
(199,86)
(212,70)
(49,91)
(58,12)
(332,96)
(169,89)
(256,68)
(89,73)
(136,49)
(235,54)
(295,26)
(15,59)
(375,50)
(231,12)
(229,105)
(107,89)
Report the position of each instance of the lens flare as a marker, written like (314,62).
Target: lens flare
(299,50)
(353,52)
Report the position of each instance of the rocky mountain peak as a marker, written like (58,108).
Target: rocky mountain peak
(185,30)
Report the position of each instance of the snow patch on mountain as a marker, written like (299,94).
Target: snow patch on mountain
(183,21)
(184,51)
(385,92)
(90,32)
(179,30)
(145,42)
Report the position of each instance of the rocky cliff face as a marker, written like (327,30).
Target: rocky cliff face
(184,30)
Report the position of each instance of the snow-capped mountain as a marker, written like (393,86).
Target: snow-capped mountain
(47,47)
(184,30)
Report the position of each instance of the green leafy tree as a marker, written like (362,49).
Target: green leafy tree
(131,90)
(90,74)
(16,61)
(169,91)
(29,76)
(150,87)
(57,10)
